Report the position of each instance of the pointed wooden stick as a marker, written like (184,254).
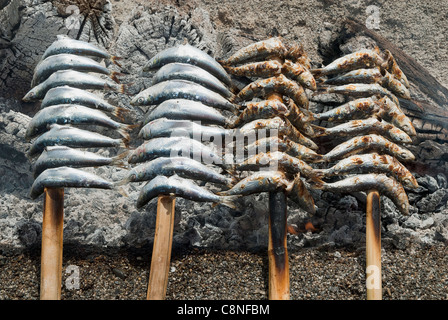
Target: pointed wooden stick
(373,246)
(161,254)
(52,243)
(277,247)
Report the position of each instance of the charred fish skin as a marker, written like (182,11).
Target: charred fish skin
(262,69)
(356,60)
(181,89)
(284,161)
(300,118)
(180,187)
(368,142)
(191,55)
(397,116)
(365,126)
(74,138)
(184,109)
(395,86)
(74,79)
(61,156)
(300,195)
(283,144)
(261,49)
(297,54)
(359,108)
(181,166)
(372,163)
(300,74)
(66,177)
(174,146)
(163,127)
(283,126)
(371,75)
(280,84)
(69,95)
(68,61)
(393,68)
(65,44)
(185,71)
(364,182)
(260,109)
(262,181)
(72,114)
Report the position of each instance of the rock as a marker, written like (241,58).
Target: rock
(428,182)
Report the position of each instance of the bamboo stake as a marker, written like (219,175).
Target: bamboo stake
(52,243)
(277,248)
(373,246)
(161,254)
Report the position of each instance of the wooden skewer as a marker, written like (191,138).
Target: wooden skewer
(161,254)
(373,246)
(52,243)
(277,248)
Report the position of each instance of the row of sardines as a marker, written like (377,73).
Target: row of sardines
(72,117)
(200,127)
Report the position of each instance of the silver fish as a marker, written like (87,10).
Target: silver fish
(355,109)
(179,187)
(73,114)
(368,142)
(163,127)
(61,156)
(64,44)
(185,71)
(74,138)
(74,79)
(364,182)
(258,50)
(372,163)
(181,89)
(182,166)
(395,85)
(262,181)
(66,61)
(365,126)
(66,177)
(397,116)
(174,146)
(69,95)
(188,54)
(183,109)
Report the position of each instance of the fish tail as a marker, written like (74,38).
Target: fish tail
(316,183)
(318,130)
(123,131)
(123,192)
(319,174)
(322,90)
(224,63)
(115,59)
(114,76)
(228,201)
(121,113)
(118,160)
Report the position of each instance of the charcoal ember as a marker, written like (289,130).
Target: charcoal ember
(428,182)
(433,202)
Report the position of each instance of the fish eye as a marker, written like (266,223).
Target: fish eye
(133,176)
(141,100)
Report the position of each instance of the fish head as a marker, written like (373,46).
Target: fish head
(138,100)
(31,95)
(410,182)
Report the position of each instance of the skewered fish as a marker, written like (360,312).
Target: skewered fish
(181,89)
(260,109)
(66,177)
(74,79)
(61,156)
(397,116)
(262,69)
(370,75)
(191,55)
(300,195)
(299,73)
(74,138)
(66,61)
(373,163)
(180,187)
(359,108)
(368,142)
(364,182)
(182,166)
(185,71)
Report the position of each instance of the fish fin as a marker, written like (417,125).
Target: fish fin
(228,201)
(114,76)
(121,113)
(118,160)
(316,183)
(319,173)
(122,192)
(123,131)
(114,60)
(318,130)
(122,182)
